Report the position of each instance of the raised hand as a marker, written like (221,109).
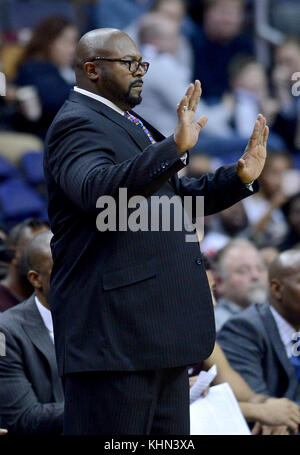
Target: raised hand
(251,164)
(187,130)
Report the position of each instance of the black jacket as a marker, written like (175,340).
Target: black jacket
(124,300)
(31,394)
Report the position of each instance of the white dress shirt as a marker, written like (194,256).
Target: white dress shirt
(112,106)
(286,331)
(46,316)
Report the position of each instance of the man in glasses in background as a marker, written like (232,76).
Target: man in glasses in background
(127,312)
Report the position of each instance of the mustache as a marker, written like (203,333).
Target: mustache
(137,82)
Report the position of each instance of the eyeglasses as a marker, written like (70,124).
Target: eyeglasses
(133,65)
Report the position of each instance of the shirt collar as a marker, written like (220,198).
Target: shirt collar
(99,98)
(286,331)
(45,314)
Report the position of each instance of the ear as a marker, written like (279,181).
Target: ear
(275,289)
(91,71)
(34,279)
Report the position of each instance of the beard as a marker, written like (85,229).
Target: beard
(257,293)
(129,98)
(118,96)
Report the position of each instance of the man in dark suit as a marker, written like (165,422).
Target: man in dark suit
(31,394)
(260,342)
(15,286)
(128,316)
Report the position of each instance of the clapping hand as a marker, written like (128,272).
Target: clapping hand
(187,129)
(251,164)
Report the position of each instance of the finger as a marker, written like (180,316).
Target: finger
(189,92)
(266,135)
(256,429)
(263,123)
(255,134)
(202,121)
(195,98)
(293,427)
(266,430)
(185,99)
(180,106)
(241,163)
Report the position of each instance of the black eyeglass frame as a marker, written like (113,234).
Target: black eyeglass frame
(144,65)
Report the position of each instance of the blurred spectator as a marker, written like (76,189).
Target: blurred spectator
(250,94)
(287,62)
(167,78)
(216,43)
(291,210)
(15,287)
(31,393)
(47,67)
(264,209)
(174,10)
(269,254)
(259,342)
(226,225)
(198,165)
(241,278)
(116,13)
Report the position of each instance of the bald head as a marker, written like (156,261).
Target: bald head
(285,264)
(39,250)
(99,42)
(161,31)
(39,260)
(284,279)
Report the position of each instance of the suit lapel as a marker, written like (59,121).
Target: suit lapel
(277,344)
(39,336)
(136,133)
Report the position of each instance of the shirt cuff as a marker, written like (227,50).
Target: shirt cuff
(184,157)
(249,186)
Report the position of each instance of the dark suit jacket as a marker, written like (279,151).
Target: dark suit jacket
(252,345)
(124,300)
(31,395)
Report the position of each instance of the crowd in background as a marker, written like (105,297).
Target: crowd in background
(249,244)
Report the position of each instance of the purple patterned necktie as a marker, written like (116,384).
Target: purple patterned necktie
(139,123)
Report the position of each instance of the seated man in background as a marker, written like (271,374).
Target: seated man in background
(260,341)
(241,278)
(272,415)
(31,394)
(15,287)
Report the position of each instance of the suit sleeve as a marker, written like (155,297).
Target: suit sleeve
(243,347)
(220,190)
(84,164)
(20,410)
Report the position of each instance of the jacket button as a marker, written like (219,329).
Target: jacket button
(198,261)
(163,166)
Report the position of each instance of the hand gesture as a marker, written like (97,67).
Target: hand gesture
(187,130)
(251,164)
